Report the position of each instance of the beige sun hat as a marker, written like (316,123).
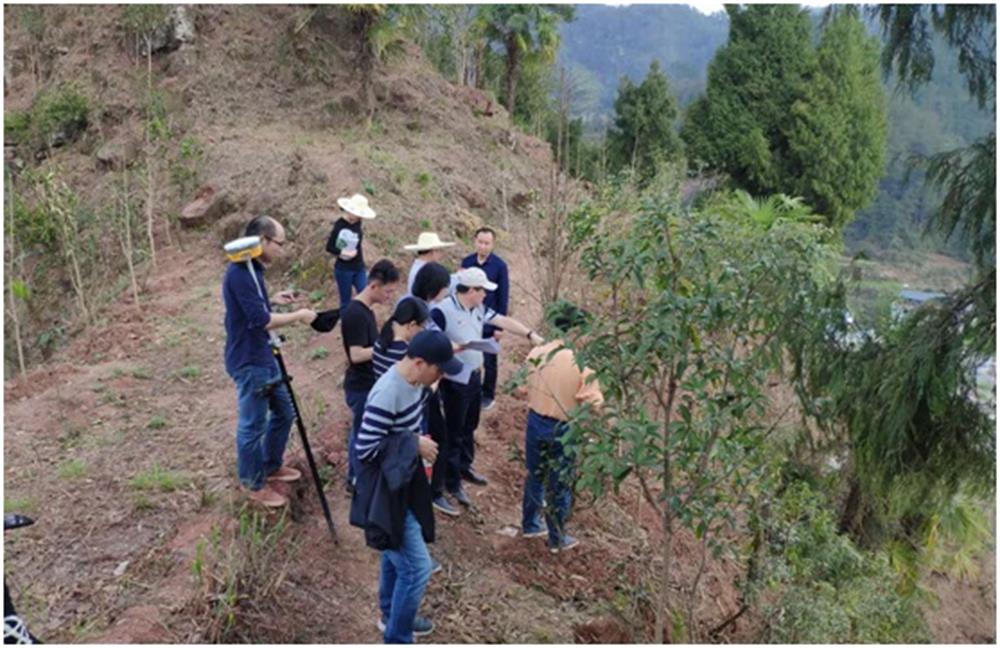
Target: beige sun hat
(427,241)
(356,205)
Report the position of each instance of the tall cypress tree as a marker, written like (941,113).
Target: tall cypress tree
(643,136)
(839,134)
(781,115)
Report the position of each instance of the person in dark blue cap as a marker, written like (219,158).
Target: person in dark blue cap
(392,500)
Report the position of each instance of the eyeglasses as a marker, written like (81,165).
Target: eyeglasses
(276,241)
(478,288)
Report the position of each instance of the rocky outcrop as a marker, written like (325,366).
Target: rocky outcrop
(208,206)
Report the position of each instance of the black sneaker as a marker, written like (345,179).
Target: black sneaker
(488,404)
(473,477)
(422,626)
(461,497)
(443,505)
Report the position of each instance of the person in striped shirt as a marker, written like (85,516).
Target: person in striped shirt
(389,440)
(406,321)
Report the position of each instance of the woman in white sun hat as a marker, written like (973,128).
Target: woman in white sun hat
(428,248)
(345,245)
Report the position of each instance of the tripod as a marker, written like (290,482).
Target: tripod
(285,378)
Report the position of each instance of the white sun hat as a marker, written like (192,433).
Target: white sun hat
(474,278)
(356,205)
(427,241)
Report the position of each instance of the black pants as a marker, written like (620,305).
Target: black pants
(490,362)
(461,416)
(439,434)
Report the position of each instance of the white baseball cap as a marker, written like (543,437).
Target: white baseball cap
(474,278)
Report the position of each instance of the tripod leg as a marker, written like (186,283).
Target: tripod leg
(305,445)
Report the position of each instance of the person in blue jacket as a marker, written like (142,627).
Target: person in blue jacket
(265,407)
(496,271)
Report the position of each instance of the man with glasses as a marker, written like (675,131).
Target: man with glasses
(265,407)
(461,317)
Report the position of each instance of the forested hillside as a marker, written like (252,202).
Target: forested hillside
(611,42)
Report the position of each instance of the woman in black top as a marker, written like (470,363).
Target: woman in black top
(345,244)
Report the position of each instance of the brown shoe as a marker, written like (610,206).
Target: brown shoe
(285,474)
(268,497)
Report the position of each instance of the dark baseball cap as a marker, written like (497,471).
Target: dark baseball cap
(434,347)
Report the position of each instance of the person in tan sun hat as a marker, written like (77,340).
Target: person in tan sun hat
(345,245)
(428,248)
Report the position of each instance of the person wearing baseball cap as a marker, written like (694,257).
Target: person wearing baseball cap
(429,248)
(344,244)
(392,502)
(461,317)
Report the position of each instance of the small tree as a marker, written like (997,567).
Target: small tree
(17,289)
(141,25)
(124,232)
(689,325)
(643,136)
(63,207)
(522,31)
(380,29)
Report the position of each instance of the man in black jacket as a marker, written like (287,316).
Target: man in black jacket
(392,500)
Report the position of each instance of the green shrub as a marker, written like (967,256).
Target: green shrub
(828,590)
(16,126)
(62,110)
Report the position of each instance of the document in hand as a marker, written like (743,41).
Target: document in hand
(486,345)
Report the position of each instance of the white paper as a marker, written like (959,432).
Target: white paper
(347,241)
(486,345)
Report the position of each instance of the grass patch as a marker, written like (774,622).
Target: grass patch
(141,373)
(18,505)
(190,372)
(142,504)
(157,423)
(158,479)
(319,353)
(72,469)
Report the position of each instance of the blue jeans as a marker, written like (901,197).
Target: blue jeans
(356,402)
(265,417)
(401,585)
(347,279)
(461,415)
(550,474)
